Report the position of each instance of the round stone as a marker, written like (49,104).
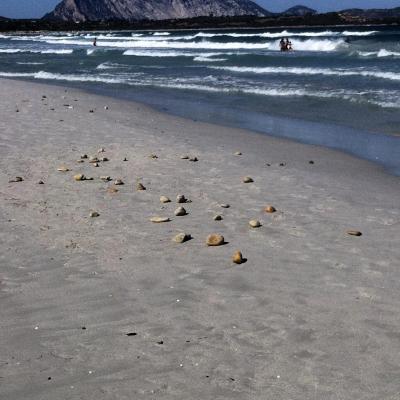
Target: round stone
(238,153)
(165,199)
(248,179)
(79,177)
(237,257)
(181,237)
(270,209)
(215,240)
(94,214)
(255,223)
(180,211)
(218,218)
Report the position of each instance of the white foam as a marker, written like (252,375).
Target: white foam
(323,45)
(207,59)
(109,65)
(161,33)
(380,54)
(312,71)
(49,51)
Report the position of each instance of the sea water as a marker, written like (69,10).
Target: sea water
(340,87)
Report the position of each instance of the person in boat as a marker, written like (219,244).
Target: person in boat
(95,42)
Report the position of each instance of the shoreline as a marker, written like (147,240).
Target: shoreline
(109,306)
(350,138)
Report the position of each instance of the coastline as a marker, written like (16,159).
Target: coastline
(312,313)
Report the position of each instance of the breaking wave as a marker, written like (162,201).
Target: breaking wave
(312,71)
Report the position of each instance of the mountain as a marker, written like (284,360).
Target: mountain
(131,10)
(299,11)
(373,13)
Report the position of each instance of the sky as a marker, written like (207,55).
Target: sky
(37,8)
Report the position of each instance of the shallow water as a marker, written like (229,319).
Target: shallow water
(346,77)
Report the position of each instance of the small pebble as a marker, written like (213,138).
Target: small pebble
(63,169)
(218,218)
(79,177)
(270,209)
(354,233)
(180,211)
(101,150)
(95,164)
(125,159)
(118,182)
(181,237)
(106,107)
(237,257)
(215,240)
(153,156)
(181,198)
(93,159)
(105,178)
(158,220)
(238,153)
(112,190)
(223,205)
(40,183)
(94,214)
(311,162)
(103,159)
(193,159)
(84,156)
(185,157)
(16,179)
(80,161)
(165,199)
(248,179)
(140,187)
(255,223)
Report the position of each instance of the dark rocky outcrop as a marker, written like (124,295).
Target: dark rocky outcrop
(135,10)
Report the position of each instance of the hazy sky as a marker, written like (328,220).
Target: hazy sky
(37,8)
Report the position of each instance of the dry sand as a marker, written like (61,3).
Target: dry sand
(312,314)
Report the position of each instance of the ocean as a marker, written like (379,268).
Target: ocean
(340,87)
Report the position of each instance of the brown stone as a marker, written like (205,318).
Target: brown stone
(270,209)
(140,187)
(237,257)
(215,240)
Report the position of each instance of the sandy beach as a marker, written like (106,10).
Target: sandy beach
(110,307)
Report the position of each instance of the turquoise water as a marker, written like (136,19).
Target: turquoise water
(347,78)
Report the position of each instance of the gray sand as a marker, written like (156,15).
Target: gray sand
(312,314)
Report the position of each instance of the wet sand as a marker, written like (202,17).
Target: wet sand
(111,308)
